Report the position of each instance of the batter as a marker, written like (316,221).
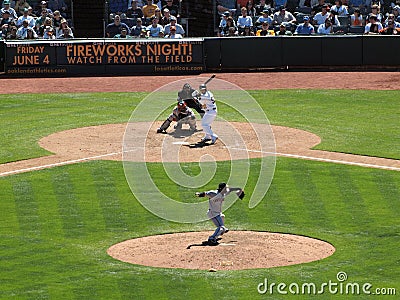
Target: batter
(206,98)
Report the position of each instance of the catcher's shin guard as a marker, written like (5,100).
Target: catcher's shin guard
(165,125)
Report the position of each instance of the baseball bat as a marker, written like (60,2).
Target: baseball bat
(209,79)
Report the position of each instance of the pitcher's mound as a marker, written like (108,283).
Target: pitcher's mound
(236,250)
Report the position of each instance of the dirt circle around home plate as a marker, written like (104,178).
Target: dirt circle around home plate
(237,250)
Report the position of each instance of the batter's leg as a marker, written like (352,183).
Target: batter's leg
(206,124)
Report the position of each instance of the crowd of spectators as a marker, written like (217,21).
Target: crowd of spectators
(33,19)
(145,20)
(30,19)
(308,17)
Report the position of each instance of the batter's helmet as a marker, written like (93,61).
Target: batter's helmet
(202,87)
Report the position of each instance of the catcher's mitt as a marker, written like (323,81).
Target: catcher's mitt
(241,194)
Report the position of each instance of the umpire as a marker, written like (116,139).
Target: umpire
(185,95)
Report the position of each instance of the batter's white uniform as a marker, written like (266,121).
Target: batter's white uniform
(208,102)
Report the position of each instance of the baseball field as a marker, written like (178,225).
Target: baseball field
(61,212)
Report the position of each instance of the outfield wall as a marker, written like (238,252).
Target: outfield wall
(309,52)
(2,56)
(195,56)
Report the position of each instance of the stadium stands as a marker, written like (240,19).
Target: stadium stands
(89,18)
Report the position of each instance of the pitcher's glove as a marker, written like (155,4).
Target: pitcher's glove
(240,194)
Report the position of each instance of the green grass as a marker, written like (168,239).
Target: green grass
(56,224)
(59,223)
(28,117)
(359,122)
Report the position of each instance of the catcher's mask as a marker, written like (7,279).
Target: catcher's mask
(203,88)
(187,86)
(181,106)
(221,186)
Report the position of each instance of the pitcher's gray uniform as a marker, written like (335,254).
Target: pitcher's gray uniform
(216,197)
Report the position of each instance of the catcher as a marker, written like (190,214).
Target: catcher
(182,115)
(216,197)
(186,95)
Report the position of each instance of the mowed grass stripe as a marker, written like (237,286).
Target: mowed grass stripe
(329,193)
(32,292)
(60,291)
(276,209)
(88,289)
(346,180)
(206,285)
(291,197)
(124,195)
(128,283)
(9,225)
(89,206)
(135,214)
(378,209)
(114,216)
(159,287)
(160,284)
(26,207)
(69,210)
(304,174)
(239,216)
(389,188)
(269,215)
(91,289)
(51,226)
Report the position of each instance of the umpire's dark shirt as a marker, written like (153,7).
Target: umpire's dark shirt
(186,94)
